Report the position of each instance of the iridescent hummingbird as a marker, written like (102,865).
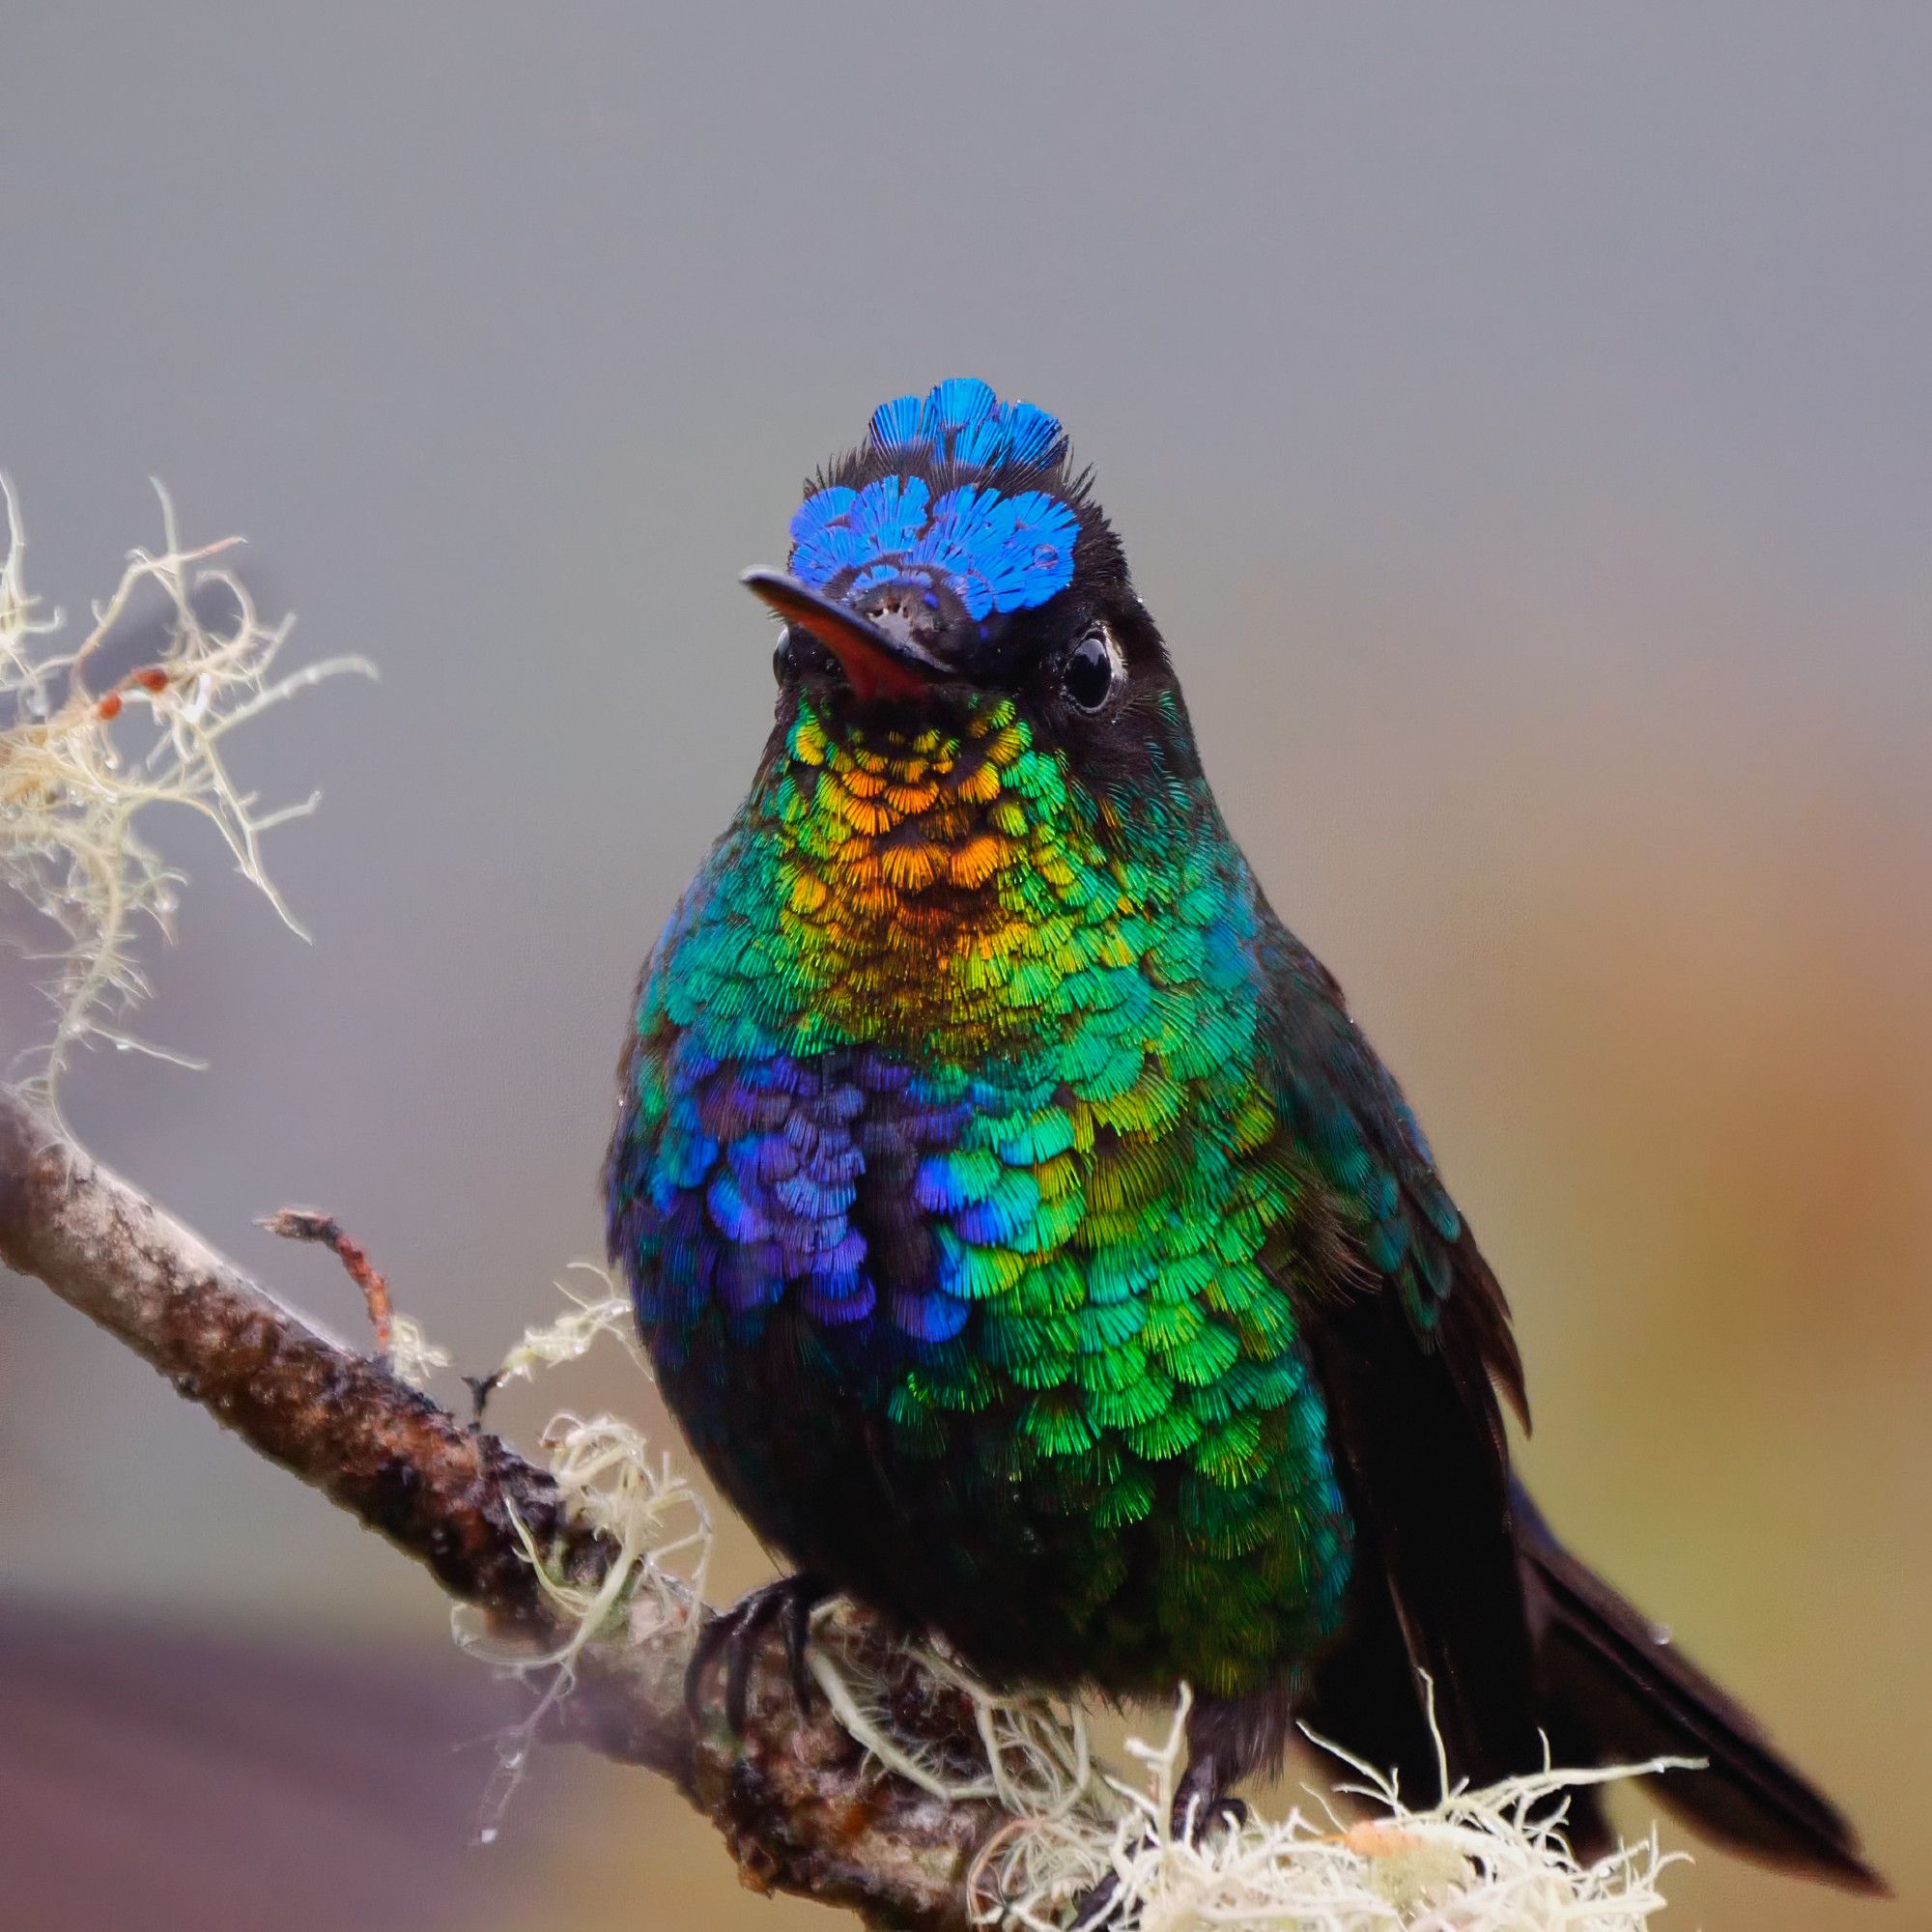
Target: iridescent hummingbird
(1028,1242)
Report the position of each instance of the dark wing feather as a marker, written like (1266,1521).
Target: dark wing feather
(1412,1347)
(1611,1677)
(1457,1573)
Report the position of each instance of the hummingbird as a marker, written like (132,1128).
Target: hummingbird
(1028,1242)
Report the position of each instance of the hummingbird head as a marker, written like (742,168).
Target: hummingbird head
(981,779)
(957,559)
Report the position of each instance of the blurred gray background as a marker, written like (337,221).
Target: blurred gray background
(1519,418)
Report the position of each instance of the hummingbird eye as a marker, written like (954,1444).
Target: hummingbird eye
(798,653)
(1093,668)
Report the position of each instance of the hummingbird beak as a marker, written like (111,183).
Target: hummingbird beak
(878,662)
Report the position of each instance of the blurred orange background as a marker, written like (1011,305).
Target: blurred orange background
(1518,422)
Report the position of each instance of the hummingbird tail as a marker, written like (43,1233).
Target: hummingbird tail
(1615,1689)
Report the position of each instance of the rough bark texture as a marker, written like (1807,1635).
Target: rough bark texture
(794,1800)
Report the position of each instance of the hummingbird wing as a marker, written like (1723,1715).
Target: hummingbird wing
(1413,1350)
(1457,1575)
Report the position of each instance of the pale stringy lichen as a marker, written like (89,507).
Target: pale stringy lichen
(414,1358)
(1083,1840)
(1484,1861)
(83,760)
(591,1313)
(1038,1758)
(609,1480)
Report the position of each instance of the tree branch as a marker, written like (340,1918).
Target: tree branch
(795,1800)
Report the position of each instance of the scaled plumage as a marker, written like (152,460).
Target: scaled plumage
(1026,1236)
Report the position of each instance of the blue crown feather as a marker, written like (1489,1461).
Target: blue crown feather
(963,420)
(993,552)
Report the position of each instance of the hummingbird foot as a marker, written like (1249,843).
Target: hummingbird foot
(1202,1803)
(1201,1809)
(736,1634)
(1099,1905)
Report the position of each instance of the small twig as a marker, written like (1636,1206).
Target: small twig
(481,1388)
(312,1224)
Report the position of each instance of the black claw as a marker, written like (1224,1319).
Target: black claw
(1096,1904)
(1231,1812)
(735,1635)
(795,1620)
(738,1653)
(712,1635)
(1199,1810)
(1201,1806)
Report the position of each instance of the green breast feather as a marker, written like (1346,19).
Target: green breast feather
(971,1071)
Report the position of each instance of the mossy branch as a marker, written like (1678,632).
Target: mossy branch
(798,1802)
